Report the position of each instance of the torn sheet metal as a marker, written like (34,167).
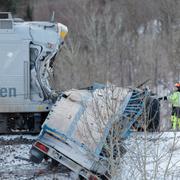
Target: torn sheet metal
(79,119)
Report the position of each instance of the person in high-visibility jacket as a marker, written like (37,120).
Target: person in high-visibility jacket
(174,99)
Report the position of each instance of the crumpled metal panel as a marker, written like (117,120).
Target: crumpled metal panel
(83,115)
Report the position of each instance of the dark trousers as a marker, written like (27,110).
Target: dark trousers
(176,111)
(175,117)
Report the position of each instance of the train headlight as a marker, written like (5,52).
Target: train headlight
(62,30)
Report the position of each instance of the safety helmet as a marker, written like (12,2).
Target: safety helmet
(177,85)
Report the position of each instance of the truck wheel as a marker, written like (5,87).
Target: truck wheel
(36,156)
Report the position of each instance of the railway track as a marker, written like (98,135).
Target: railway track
(15,140)
(15,163)
(30,171)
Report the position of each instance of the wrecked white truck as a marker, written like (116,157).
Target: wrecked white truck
(82,123)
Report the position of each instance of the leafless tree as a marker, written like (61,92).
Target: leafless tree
(143,155)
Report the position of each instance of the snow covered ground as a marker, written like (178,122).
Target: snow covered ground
(14,164)
(151,155)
